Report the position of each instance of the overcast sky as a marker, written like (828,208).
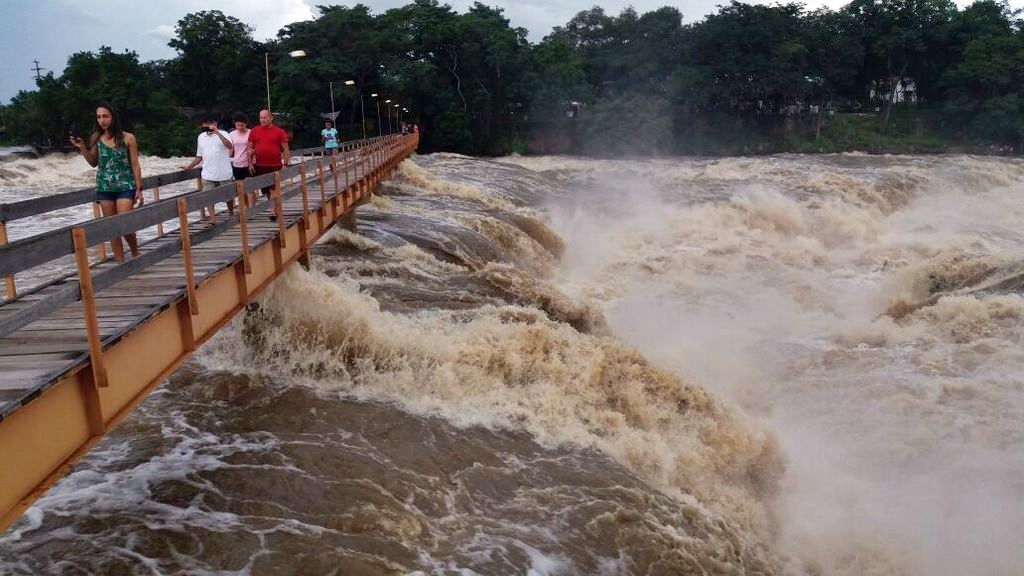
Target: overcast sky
(52,30)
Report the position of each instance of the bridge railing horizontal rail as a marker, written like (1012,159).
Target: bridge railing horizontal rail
(44,244)
(35,206)
(352,162)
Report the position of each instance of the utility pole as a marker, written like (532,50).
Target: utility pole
(37,70)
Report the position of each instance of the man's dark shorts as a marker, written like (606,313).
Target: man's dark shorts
(260,170)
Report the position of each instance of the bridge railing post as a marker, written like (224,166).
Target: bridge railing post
(278,207)
(159,225)
(334,171)
(366,165)
(305,195)
(335,166)
(323,192)
(321,174)
(12,293)
(92,325)
(186,252)
(345,163)
(102,248)
(243,225)
(367,168)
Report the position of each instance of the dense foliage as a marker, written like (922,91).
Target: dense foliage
(913,74)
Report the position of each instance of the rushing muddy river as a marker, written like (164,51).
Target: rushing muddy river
(555,366)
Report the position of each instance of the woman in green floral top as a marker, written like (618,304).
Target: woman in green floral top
(118,179)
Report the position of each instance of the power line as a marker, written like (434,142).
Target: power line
(37,69)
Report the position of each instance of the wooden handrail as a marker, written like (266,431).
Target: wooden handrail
(27,253)
(10,211)
(35,206)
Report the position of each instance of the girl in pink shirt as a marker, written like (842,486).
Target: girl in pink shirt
(240,140)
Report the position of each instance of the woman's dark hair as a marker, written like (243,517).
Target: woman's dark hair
(239,117)
(115,124)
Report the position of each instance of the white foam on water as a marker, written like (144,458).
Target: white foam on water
(904,440)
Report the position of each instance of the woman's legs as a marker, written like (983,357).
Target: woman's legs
(125,205)
(109,208)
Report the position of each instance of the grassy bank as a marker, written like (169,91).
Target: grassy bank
(851,132)
(905,134)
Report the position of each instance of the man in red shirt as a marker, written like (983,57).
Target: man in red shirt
(268,149)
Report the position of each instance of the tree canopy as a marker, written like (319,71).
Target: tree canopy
(601,83)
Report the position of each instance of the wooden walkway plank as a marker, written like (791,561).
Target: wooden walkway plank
(48,347)
(32,360)
(64,324)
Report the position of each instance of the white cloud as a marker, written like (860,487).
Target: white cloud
(265,16)
(162,32)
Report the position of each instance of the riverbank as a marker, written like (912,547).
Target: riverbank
(838,133)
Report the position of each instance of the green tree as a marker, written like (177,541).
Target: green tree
(983,90)
(68,102)
(219,65)
(904,39)
(836,53)
(556,79)
(344,44)
(462,74)
(754,57)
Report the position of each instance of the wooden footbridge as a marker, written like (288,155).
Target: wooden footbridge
(80,351)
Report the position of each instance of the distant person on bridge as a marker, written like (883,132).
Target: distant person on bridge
(329,136)
(214,150)
(118,178)
(268,150)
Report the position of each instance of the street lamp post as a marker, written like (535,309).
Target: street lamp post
(398,124)
(333,115)
(266,69)
(387,109)
(376,102)
(362,108)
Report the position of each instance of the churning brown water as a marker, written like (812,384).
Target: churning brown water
(548,366)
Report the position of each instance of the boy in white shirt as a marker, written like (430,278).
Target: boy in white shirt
(215,151)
